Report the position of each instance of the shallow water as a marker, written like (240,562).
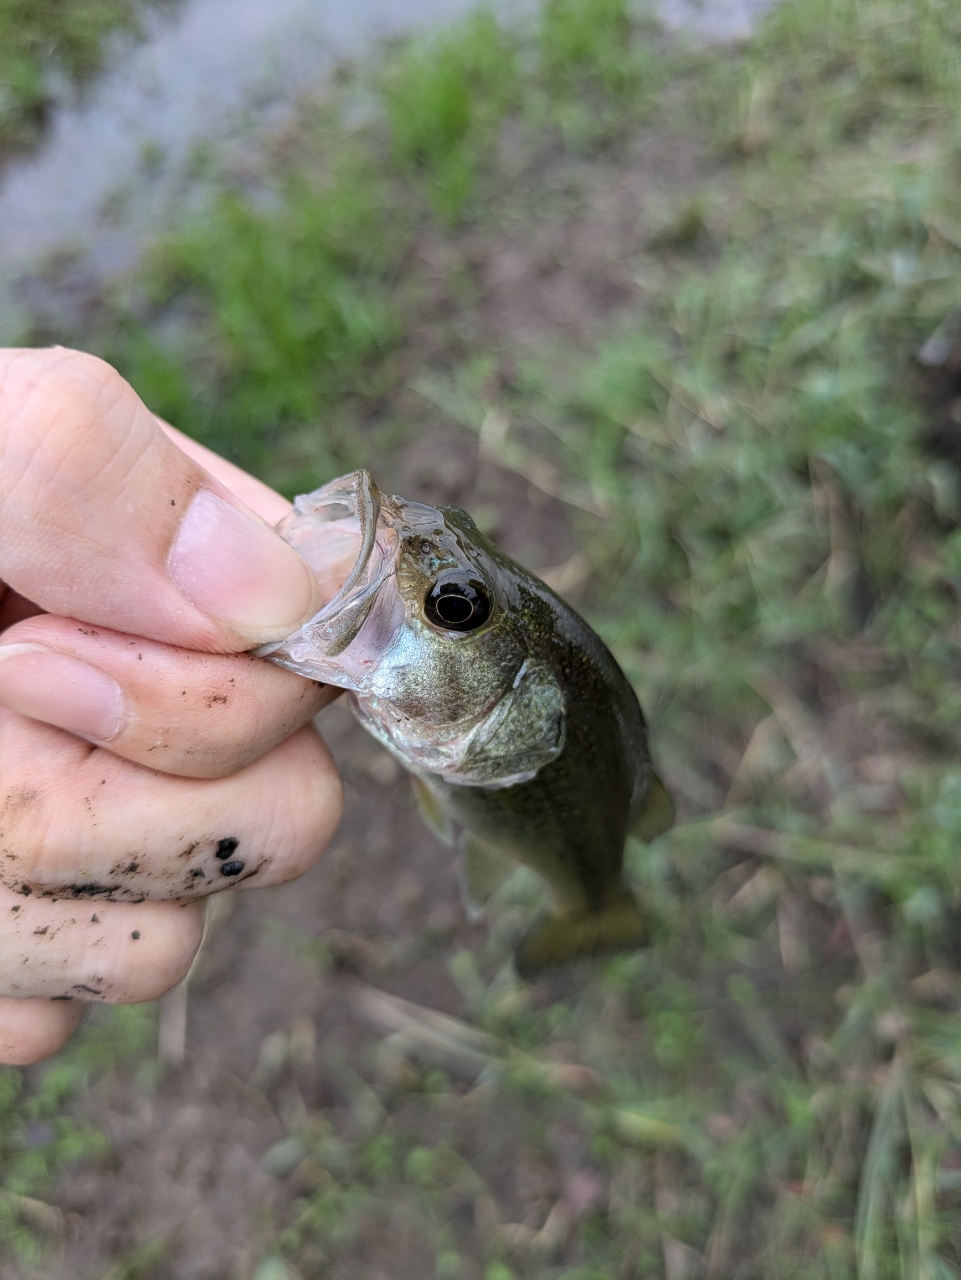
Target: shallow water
(113,165)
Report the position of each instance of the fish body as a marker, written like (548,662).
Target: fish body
(524,739)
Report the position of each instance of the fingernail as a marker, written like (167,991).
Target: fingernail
(240,572)
(60,690)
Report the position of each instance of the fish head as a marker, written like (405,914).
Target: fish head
(425,632)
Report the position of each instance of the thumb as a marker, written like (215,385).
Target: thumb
(104,519)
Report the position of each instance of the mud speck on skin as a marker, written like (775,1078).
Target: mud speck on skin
(18,800)
(232,868)
(136,935)
(91,991)
(227,846)
(85,891)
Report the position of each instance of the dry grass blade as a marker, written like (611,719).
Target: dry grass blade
(172,1030)
(792,933)
(429,1034)
(174,1006)
(756,764)
(437,1038)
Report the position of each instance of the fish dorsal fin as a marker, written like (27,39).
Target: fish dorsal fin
(431,810)
(483,870)
(657,813)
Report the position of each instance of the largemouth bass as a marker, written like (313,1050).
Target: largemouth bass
(524,740)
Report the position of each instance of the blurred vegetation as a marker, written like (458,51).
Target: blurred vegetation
(773,1088)
(40,1140)
(41,40)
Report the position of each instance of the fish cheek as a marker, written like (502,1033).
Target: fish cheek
(443,680)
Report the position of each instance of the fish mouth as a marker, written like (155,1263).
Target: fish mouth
(351,542)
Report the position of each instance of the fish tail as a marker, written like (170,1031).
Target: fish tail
(554,940)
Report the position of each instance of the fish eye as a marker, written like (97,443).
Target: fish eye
(458,604)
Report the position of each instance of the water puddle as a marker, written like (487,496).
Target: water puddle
(112,166)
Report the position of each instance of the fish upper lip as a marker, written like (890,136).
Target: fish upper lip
(367,507)
(364,503)
(314,648)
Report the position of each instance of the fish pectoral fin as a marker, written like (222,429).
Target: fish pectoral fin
(556,940)
(431,810)
(483,870)
(657,816)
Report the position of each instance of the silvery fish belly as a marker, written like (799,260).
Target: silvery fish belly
(523,738)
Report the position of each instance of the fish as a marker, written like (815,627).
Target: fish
(524,740)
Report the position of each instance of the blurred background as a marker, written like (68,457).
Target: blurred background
(670,300)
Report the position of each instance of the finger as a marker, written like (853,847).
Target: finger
(331,574)
(103,518)
(31,1030)
(117,952)
(192,714)
(76,821)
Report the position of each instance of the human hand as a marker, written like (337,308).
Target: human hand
(146,760)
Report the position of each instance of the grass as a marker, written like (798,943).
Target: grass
(773,1088)
(296,311)
(44,40)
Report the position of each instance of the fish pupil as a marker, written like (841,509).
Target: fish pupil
(454,608)
(458,605)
